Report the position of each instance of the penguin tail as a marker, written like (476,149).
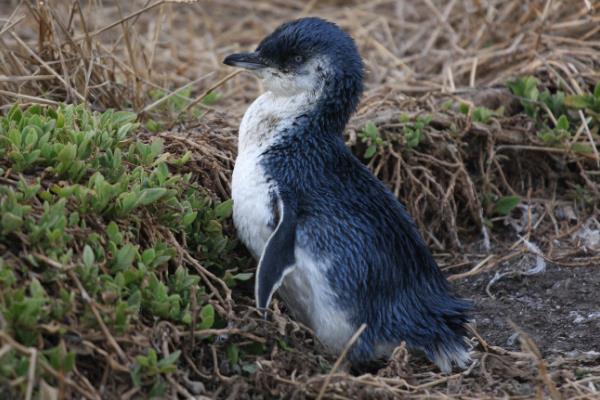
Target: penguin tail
(444,357)
(451,347)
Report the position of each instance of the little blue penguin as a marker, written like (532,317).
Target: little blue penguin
(329,237)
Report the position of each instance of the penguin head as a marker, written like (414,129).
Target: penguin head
(307,55)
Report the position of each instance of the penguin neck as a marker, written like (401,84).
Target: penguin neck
(322,113)
(272,117)
(335,104)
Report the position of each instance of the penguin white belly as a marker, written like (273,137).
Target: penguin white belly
(306,290)
(310,298)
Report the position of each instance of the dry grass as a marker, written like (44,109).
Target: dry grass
(418,54)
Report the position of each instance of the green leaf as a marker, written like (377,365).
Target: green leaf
(88,256)
(36,289)
(244,276)
(208,316)
(153,126)
(324,365)
(68,362)
(283,344)
(582,148)
(526,89)
(597,91)
(506,204)
(123,117)
(167,364)
(129,201)
(135,374)
(162,173)
(158,389)
(555,102)
(30,136)
(184,159)
(578,101)
(213,226)
(148,256)
(562,123)
(189,218)
(233,354)
(112,231)
(125,257)
(482,114)
(156,147)
(464,108)
(370,152)
(68,153)
(15,113)
(371,129)
(210,98)
(11,222)
(413,137)
(32,156)
(224,210)
(152,357)
(60,120)
(149,196)
(447,105)
(249,368)
(124,131)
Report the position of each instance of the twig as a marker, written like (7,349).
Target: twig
(32,99)
(44,64)
(175,93)
(341,357)
(206,275)
(121,20)
(590,137)
(31,372)
(530,346)
(27,351)
(229,331)
(472,271)
(206,93)
(86,297)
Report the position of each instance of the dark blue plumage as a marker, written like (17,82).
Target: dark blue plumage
(379,269)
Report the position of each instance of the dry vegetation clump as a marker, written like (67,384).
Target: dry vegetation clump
(119,273)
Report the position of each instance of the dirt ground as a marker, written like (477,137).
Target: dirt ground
(558,308)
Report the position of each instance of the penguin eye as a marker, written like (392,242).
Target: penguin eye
(298,59)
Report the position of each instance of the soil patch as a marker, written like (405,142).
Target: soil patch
(558,308)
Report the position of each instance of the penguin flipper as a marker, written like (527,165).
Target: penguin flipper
(277,259)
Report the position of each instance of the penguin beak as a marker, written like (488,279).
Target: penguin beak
(250,61)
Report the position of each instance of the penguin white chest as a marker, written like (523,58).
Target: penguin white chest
(252,211)
(251,190)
